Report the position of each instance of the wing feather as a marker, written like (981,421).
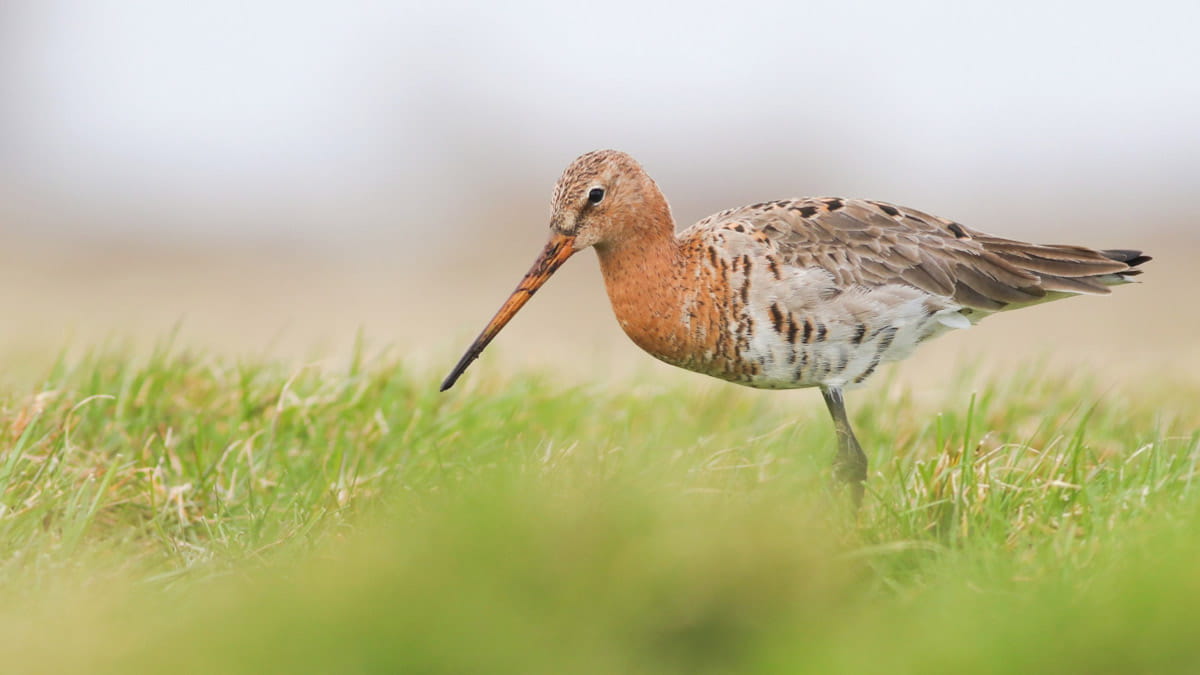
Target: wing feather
(874,244)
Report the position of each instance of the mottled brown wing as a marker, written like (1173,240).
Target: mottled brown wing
(872,243)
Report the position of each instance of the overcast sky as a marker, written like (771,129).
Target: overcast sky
(334,117)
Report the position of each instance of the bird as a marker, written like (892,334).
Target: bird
(793,293)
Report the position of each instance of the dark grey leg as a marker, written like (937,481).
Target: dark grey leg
(850,463)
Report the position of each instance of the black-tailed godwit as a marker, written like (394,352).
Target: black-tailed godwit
(813,292)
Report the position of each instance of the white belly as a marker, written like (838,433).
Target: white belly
(842,341)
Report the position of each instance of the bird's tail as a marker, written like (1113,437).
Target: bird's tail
(1070,269)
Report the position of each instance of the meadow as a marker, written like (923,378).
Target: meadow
(183,510)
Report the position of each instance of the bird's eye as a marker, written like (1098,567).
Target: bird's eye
(596,195)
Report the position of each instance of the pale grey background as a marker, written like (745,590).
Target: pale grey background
(361,122)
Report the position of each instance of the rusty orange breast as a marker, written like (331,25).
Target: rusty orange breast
(642,287)
(671,304)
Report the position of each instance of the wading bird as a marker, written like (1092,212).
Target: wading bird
(812,292)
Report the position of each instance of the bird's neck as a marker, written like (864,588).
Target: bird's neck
(642,273)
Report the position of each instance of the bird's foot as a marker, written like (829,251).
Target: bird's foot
(851,472)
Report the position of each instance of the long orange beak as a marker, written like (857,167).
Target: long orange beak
(558,249)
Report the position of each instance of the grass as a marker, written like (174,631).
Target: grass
(183,512)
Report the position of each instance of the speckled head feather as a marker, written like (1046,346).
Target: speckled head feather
(630,199)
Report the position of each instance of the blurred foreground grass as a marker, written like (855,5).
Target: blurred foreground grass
(187,513)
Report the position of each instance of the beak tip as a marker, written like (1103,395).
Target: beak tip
(449,381)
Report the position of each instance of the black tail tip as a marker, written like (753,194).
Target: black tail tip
(1130,257)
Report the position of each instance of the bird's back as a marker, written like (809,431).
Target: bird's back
(820,291)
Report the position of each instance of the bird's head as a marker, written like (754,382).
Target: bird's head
(602,199)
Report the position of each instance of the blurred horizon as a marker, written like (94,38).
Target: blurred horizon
(276,173)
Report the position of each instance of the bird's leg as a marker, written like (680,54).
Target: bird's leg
(850,463)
